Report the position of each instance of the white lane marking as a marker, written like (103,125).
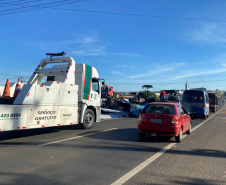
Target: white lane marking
(59,141)
(141,166)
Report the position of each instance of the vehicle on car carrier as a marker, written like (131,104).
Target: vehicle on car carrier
(66,93)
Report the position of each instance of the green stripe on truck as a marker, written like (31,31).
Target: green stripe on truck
(87,82)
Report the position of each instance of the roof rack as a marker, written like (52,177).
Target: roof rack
(56,54)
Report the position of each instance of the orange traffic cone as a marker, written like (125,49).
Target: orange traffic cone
(6,93)
(17,89)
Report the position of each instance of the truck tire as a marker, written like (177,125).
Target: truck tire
(88,119)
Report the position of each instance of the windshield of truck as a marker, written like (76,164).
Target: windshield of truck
(193,96)
(95,85)
(160,109)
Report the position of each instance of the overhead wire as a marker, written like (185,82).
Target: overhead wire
(140,15)
(16,4)
(38,6)
(52,6)
(138,83)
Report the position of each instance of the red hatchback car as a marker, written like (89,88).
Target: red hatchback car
(164,119)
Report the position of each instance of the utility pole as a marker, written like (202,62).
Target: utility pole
(186,85)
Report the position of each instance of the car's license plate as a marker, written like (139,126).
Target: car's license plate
(156,120)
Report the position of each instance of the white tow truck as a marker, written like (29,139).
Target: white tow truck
(65,93)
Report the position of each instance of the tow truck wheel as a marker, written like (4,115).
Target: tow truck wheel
(88,119)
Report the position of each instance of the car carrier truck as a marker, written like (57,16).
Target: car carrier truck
(214,101)
(59,92)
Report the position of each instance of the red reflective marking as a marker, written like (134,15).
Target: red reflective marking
(36,69)
(41,85)
(71,84)
(70,64)
(43,125)
(18,127)
(77,92)
(90,81)
(66,71)
(28,94)
(0,129)
(34,73)
(23,127)
(74,72)
(77,110)
(38,65)
(66,78)
(71,123)
(58,124)
(68,67)
(58,82)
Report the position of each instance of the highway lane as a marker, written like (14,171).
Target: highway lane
(197,160)
(101,155)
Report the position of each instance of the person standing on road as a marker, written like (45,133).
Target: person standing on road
(162,96)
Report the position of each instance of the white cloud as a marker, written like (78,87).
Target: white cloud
(90,51)
(223,64)
(209,33)
(127,54)
(79,44)
(198,73)
(117,73)
(153,72)
(126,66)
(179,64)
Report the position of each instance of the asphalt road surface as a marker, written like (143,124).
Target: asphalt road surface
(112,153)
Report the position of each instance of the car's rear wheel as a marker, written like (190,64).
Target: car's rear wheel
(179,137)
(142,135)
(189,129)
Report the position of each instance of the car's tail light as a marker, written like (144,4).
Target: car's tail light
(140,117)
(175,120)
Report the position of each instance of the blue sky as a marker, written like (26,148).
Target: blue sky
(162,48)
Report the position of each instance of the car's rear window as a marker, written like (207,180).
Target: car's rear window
(193,96)
(160,109)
